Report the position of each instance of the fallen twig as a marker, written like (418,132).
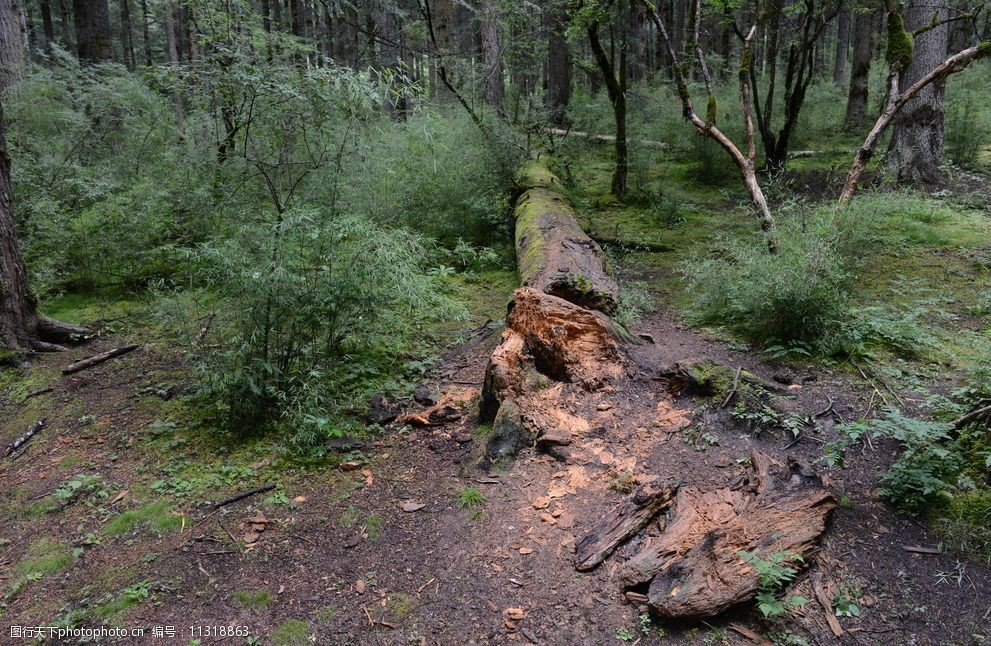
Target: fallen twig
(243,495)
(99,358)
(915,549)
(736,384)
(825,411)
(24,438)
(39,392)
(834,623)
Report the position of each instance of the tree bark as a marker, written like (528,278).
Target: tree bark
(17,307)
(146,40)
(126,34)
(13,42)
(864,25)
(842,46)
(915,155)
(46,21)
(616,87)
(558,64)
(492,56)
(93,37)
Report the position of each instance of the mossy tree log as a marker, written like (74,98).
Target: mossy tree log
(554,254)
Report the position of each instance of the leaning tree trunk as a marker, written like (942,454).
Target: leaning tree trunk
(863,49)
(93,39)
(915,154)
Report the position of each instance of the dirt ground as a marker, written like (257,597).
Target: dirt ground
(333,548)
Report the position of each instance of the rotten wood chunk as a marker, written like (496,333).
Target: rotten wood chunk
(553,253)
(89,362)
(563,341)
(623,522)
(695,568)
(24,438)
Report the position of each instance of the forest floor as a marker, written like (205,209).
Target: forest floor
(108,517)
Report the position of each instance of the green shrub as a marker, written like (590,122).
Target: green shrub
(311,306)
(928,469)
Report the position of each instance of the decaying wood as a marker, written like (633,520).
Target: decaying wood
(561,340)
(243,495)
(623,522)
(553,253)
(24,438)
(695,568)
(827,606)
(89,362)
(440,413)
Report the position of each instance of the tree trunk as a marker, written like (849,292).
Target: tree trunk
(93,38)
(492,56)
(863,48)
(558,65)
(126,34)
(171,35)
(17,307)
(916,149)
(46,21)
(13,42)
(616,87)
(65,25)
(842,46)
(144,32)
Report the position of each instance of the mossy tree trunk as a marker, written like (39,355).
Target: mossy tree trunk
(864,24)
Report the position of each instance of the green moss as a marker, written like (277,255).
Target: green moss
(710,112)
(44,557)
(254,599)
(984,49)
(535,173)
(156,515)
(292,632)
(900,44)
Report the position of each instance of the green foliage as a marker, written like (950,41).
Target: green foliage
(254,599)
(774,573)
(156,515)
(968,121)
(805,298)
(927,470)
(470,497)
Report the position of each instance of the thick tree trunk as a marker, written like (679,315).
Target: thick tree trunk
(46,21)
(558,64)
(93,37)
(171,34)
(145,39)
(554,255)
(492,56)
(17,308)
(842,46)
(126,34)
(863,49)
(65,25)
(549,328)
(916,150)
(13,42)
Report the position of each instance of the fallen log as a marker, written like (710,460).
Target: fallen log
(553,253)
(24,438)
(621,523)
(604,139)
(559,339)
(89,362)
(696,569)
